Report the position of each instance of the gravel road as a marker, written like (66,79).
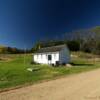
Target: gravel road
(84,86)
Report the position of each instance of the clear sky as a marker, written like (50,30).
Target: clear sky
(23,22)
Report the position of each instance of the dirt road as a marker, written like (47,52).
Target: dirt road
(84,86)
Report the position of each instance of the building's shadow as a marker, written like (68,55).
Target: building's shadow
(78,64)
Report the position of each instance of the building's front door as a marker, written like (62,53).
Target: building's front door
(49,59)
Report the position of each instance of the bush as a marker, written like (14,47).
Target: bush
(33,62)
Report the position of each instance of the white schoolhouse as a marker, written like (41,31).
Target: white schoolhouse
(52,55)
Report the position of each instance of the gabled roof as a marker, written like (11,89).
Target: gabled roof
(51,49)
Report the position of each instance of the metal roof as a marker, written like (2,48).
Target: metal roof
(51,49)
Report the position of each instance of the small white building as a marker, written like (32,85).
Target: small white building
(52,55)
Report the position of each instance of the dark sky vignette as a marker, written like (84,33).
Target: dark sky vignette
(23,22)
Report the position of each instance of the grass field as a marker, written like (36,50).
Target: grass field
(13,70)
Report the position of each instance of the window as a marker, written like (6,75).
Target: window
(49,57)
(46,56)
(37,56)
(41,56)
(54,55)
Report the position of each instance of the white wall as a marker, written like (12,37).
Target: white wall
(63,56)
(43,57)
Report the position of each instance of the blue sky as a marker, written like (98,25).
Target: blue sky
(23,22)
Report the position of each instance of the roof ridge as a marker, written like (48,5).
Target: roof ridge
(54,46)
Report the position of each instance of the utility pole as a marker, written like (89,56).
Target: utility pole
(24,55)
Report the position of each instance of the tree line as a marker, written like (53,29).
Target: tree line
(11,50)
(81,40)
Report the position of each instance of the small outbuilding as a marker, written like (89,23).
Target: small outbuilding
(52,55)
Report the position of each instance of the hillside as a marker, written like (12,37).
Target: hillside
(87,40)
(96,29)
(10,50)
(2,49)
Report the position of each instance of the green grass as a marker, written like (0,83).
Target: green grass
(14,72)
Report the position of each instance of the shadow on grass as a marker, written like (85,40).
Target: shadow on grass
(79,64)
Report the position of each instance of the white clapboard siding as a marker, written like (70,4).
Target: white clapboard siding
(62,55)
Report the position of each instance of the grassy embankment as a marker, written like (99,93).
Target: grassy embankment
(13,70)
